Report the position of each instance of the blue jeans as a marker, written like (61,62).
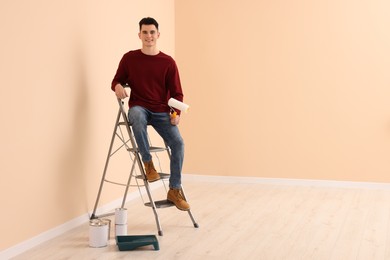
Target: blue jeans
(139,118)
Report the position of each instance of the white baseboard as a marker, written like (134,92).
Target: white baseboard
(61,229)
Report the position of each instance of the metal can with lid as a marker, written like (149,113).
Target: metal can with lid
(121,230)
(98,233)
(108,221)
(120,216)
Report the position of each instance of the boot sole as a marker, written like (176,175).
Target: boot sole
(177,206)
(154,180)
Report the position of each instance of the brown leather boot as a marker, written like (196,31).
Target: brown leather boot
(151,173)
(176,197)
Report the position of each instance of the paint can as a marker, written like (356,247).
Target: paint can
(121,230)
(108,221)
(98,233)
(120,216)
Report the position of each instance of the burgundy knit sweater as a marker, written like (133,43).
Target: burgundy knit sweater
(153,79)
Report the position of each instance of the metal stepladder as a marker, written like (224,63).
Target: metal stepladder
(127,141)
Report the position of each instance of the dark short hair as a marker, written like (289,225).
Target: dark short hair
(148,21)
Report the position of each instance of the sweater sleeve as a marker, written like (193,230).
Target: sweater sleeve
(174,85)
(121,74)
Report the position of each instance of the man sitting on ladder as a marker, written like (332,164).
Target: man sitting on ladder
(153,78)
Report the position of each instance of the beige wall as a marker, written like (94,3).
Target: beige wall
(286,89)
(57,112)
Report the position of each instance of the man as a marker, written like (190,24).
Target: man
(153,78)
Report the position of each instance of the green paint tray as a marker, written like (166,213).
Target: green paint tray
(126,243)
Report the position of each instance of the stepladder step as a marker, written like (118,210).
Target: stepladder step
(163,176)
(161,204)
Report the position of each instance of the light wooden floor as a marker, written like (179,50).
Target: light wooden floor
(250,221)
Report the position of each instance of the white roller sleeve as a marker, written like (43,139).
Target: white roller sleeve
(178,105)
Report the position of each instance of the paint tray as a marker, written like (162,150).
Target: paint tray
(126,243)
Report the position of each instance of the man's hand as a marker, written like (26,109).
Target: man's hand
(120,92)
(175,119)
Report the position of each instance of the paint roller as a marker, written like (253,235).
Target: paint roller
(174,103)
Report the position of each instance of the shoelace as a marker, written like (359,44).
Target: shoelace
(148,168)
(179,195)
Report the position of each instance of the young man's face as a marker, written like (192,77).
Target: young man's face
(148,35)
